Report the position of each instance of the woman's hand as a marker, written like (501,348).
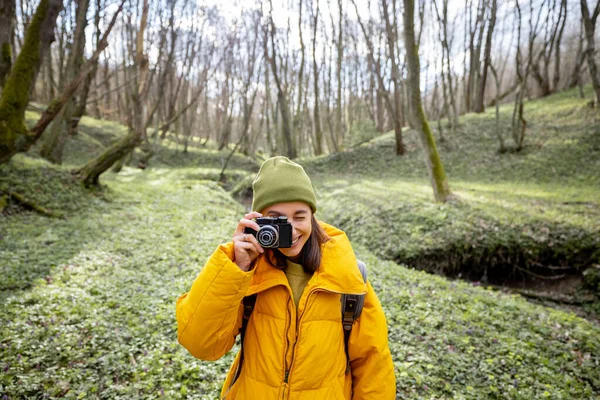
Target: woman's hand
(245,245)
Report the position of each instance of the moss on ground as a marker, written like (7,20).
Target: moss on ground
(515,215)
(88,307)
(87,303)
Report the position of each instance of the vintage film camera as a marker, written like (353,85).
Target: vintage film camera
(273,232)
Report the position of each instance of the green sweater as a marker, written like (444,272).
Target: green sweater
(297,278)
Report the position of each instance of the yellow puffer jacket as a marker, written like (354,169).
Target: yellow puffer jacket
(289,353)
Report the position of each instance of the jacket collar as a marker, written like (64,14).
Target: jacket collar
(338,271)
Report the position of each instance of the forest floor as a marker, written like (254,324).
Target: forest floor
(87,297)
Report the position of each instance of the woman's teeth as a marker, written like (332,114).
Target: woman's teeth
(295,240)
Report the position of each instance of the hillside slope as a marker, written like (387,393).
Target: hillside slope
(87,301)
(532,216)
(97,315)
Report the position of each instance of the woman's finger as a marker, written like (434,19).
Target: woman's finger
(245,252)
(246,223)
(252,215)
(250,238)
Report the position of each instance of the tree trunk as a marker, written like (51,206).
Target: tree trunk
(435,168)
(380,80)
(7,17)
(48,78)
(499,134)
(85,90)
(448,87)
(282,95)
(398,120)
(518,126)
(574,79)
(479,102)
(26,140)
(106,83)
(298,120)
(90,173)
(19,85)
(589,22)
(553,33)
(318,144)
(56,138)
(557,47)
(338,126)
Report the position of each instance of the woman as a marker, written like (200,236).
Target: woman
(294,343)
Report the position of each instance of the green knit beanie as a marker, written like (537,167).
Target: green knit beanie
(281,180)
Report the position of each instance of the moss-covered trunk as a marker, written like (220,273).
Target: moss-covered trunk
(435,168)
(20,82)
(7,17)
(90,173)
(57,135)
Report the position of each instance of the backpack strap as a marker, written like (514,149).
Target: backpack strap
(352,305)
(249,303)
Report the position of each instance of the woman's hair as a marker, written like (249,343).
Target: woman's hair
(310,257)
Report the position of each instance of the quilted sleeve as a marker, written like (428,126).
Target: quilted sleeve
(209,316)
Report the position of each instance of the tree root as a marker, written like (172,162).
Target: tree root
(555,297)
(33,205)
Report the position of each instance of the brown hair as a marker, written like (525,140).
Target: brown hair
(310,257)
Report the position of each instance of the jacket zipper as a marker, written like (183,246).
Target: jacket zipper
(299,319)
(287,372)
(287,347)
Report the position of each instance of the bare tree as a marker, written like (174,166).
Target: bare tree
(247,94)
(446,73)
(7,17)
(339,44)
(499,135)
(26,140)
(519,124)
(382,92)
(226,111)
(575,78)
(398,114)
(81,102)
(282,90)
(56,135)
(589,22)
(437,176)
(90,173)
(318,143)
(479,102)
(21,80)
(551,44)
(298,120)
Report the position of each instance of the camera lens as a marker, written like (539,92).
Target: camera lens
(268,236)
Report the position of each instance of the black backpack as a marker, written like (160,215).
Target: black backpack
(351,306)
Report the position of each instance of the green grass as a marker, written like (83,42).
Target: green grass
(202,162)
(514,214)
(87,302)
(93,316)
(94,312)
